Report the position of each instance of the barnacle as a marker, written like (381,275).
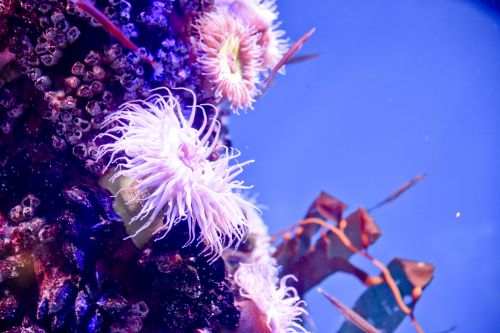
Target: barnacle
(154,144)
(230,57)
(65,66)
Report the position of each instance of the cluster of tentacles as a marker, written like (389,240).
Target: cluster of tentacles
(121,203)
(67,262)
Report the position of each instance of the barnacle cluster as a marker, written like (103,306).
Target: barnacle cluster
(76,79)
(140,90)
(64,258)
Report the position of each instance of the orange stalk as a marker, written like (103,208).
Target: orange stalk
(385,272)
(399,191)
(350,314)
(288,56)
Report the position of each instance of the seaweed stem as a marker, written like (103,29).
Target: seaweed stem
(348,244)
(287,57)
(304,58)
(350,314)
(417,179)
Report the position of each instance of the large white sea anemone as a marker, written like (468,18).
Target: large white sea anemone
(155,144)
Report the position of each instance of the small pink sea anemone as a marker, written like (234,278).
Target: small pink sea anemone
(157,147)
(230,58)
(280,303)
(275,47)
(262,16)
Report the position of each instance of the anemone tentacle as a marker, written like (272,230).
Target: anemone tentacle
(230,57)
(279,302)
(156,145)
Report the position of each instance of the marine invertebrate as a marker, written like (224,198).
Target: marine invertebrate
(112,28)
(5,6)
(68,246)
(65,66)
(270,304)
(230,58)
(155,145)
(189,284)
(275,47)
(5,58)
(280,303)
(263,249)
(262,16)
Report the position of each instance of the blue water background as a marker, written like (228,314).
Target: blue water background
(400,87)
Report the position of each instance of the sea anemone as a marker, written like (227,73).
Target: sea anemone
(258,233)
(155,144)
(257,13)
(262,16)
(258,281)
(274,46)
(230,57)
(5,6)
(280,303)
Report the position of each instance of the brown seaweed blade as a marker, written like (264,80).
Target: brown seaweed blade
(299,59)
(288,56)
(399,191)
(313,262)
(377,304)
(350,314)
(109,26)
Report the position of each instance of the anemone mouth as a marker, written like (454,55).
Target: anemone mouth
(231,58)
(262,16)
(231,64)
(156,146)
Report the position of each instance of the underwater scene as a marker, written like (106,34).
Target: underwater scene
(270,166)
